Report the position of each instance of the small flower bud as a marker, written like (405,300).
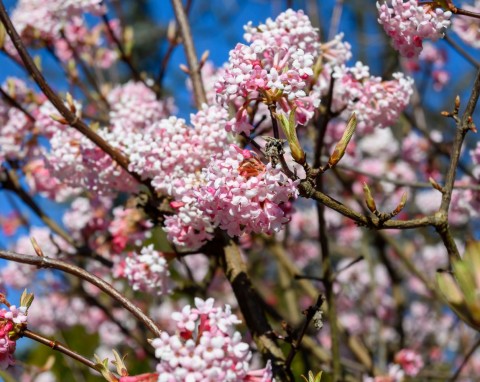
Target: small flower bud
(435,185)
(38,62)
(71,104)
(369,199)
(59,119)
(184,69)
(2,35)
(401,205)
(457,103)
(341,146)
(445,113)
(128,40)
(289,128)
(120,364)
(172,32)
(26,299)
(204,58)
(36,247)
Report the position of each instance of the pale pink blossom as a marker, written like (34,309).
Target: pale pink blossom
(408,23)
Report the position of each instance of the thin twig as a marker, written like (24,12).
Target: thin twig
(461,51)
(465,360)
(46,262)
(296,343)
(190,53)
(55,345)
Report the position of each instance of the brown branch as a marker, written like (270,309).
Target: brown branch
(307,190)
(190,53)
(13,102)
(463,127)
(172,45)
(250,304)
(309,315)
(55,345)
(123,55)
(461,51)
(86,70)
(46,262)
(327,275)
(465,360)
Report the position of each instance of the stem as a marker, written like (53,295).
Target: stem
(249,302)
(195,70)
(46,262)
(461,51)
(172,45)
(125,58)
(441,224)
(55,345)
(307,190)
(327,276)
(12,101)
(465,361)
(310,313)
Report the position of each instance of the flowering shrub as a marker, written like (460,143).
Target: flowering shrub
(172,242)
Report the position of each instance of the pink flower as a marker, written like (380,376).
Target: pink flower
(147,271)
(205,348)
(410,361)
(409,23)
(11,322)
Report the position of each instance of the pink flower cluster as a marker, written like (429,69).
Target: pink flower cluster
(134,108)
(408,23)
(16,130)
(468,28)
(238,194)
(275,67)
(376,103)
(45,19)
(172,154)
(11,321)
(242,195)
(410,361)
(434,60)
(205,348)
(79,39)
(147,271)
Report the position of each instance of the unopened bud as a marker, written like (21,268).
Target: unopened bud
(204,58)
(369,199)
(71,103)
(3,34)
(26,299)
(72,69)
(445,113)
(128,40)
(341,146)
(59,119)
(38,62)
(185,69)
(457,103)
(289,129)
(120,364)
(401,205)
(435,185)
(172,32)
(36,247)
